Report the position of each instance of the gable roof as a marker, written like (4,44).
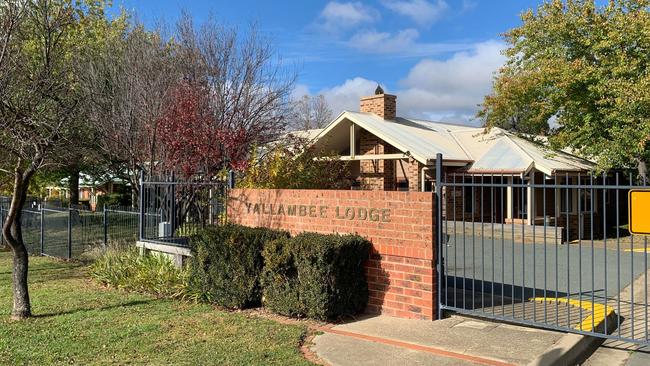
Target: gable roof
(485,151)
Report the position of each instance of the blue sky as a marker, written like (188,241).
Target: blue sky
(438,56)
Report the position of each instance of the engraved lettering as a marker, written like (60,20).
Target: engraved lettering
(385,215)
(363,213)
(349,213)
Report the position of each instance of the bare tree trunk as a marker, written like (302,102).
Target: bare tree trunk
(22,307)
(13,235)
(73,186)
(643,170)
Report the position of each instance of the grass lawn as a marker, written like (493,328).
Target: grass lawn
(78,322)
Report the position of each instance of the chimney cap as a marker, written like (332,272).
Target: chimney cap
(379,90)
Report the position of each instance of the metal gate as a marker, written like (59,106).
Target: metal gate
(551,251)
(173,210)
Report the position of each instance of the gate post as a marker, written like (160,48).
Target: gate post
(172,219)
(69,232)
(440,272)
(2,222)
(142,213)
(105,227)
(42,237)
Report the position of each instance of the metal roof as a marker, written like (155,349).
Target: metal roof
(485,151)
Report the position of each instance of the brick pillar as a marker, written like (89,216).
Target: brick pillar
(413,174)
(390,177)
(377,174)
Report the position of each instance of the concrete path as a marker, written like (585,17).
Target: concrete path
(619,353)
(456,340)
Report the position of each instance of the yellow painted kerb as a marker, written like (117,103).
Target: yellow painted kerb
(639,211)
(598,312)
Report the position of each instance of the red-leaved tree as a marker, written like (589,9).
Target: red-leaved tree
(234,94)
(192,141)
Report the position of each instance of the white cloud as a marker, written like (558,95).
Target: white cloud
(346,96)
(443,90)
(338,15)
(384,42)
(422,12)
(455,85)
(468,5)
(404,43)
(299,91)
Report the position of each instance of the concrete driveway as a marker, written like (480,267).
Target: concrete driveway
(523,270)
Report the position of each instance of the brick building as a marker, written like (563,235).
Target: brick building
(392,153)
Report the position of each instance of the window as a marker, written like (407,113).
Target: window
(566,200)
(585,201)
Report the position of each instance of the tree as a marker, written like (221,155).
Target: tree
(127,87)
(310,113)
(38,102)
(584,68)
(234,94)
(291,163)
(191,140)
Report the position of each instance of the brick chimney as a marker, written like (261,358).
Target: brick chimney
(383,105)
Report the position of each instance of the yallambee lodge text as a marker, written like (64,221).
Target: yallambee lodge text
(342,213)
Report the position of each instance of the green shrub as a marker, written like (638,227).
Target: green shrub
(227,264)
(112,199)
(153,273)
(316,276)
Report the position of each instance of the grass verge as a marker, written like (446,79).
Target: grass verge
(78,322)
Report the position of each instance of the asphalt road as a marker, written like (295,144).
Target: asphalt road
(525,270)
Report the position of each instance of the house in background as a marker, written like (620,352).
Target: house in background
(388,152)
(90,190)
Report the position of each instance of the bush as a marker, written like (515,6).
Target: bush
(113,199)
(126,269)
(316,276)
(227,264)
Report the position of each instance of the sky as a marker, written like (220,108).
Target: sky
(438,56)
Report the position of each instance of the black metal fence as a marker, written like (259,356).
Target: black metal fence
(552,251)
(171,210)
(68,232)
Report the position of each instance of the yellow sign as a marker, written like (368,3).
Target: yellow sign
(638,203)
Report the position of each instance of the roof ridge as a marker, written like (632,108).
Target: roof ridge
(462,147)
(536,164)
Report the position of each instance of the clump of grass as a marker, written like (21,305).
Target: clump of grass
(125,268)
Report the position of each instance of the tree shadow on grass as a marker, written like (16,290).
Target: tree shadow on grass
(107,307)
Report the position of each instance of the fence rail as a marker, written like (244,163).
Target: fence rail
(69,233)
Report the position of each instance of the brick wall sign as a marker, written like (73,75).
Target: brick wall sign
(400,225)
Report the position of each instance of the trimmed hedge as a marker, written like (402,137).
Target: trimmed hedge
(316,276)
(227,264)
